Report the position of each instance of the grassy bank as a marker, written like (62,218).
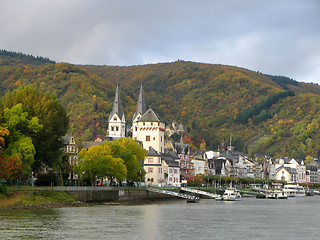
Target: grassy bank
(35,197)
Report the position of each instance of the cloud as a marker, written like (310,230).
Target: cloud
(276,37)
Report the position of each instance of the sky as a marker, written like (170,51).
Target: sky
(279,37)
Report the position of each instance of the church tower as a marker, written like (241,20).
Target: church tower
(141,109)
(150,131)
(117,122)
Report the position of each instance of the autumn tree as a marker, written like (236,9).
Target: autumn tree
(18,143)
(52,116)
(10,167)
(97,162)
(131,153)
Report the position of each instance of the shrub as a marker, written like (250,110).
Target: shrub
(4,190)
(47,179)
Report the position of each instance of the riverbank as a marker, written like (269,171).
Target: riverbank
(36,199)
(56,197)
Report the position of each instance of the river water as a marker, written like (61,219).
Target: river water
(250,218)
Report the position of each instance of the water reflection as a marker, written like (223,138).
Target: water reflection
(248,219)
(28,223)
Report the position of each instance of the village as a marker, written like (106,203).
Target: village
(170,163)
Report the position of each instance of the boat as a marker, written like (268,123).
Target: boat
(231,194)
(276,194)
(292,190)
(261,195)
(193,200)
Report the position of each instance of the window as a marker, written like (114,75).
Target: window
(150,170)
(154,138)
(152,124)
(115,118)
(170,170)
(117,128)
(112,128)
(136,129)
(147,138)
(176,171)
(144,124)
(150,160)
(161,138)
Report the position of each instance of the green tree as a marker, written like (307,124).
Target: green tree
(131,153)
(52,116)
(97,162)
(18,142)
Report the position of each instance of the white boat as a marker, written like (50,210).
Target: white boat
(276,194)
(231,194)
(292,190)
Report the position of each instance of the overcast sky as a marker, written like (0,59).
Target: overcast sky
(280,37)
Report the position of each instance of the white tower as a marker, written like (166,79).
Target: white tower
(141,109)
(117,122)
(150,131)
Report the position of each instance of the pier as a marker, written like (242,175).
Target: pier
(176,194)
(200,192)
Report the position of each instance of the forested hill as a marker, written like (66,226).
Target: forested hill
(268,114)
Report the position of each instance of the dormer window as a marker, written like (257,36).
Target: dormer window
(115,118)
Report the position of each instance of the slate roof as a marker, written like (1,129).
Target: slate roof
(181,148)
(153,153)
(66,139)
(116,108)
(290,170)
(141,105)
(170,161)
(90,144)
(149,116)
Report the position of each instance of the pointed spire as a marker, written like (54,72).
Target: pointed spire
(181,139)
(141,105)
(116,105)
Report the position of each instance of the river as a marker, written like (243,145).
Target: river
(250,218)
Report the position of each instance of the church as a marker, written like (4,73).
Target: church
(147,128)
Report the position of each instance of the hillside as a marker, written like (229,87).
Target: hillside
(282,115)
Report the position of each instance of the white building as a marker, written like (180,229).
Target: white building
(297,171)
(117,122)
(150,131)
(154,169)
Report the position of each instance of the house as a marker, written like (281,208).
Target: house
(296,168)
(171,169)
(174,127)
(284,174)
(154,169)
(312,172)
(71,151)
(198,163)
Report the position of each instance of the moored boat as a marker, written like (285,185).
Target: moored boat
(292,190)
(231,194)
(261,195)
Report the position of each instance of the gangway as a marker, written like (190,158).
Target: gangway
(176,194)
(203,193)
